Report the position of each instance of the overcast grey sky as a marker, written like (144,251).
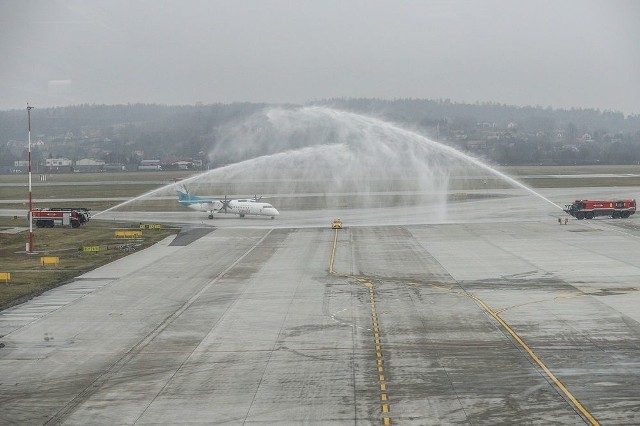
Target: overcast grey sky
(559,53)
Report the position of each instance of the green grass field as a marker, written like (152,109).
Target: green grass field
(30,277)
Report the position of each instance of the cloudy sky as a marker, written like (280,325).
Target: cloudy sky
(569,53)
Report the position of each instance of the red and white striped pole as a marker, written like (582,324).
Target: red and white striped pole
(30,243)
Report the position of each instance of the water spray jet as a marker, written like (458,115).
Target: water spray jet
(331,153)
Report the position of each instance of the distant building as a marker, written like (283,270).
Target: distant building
(476,145)
(20,166)
(181,164)
(487,125)
(184,165)
(586,138)
(90,165)
(58,162)
(149,165)
(58,165)
(115,167)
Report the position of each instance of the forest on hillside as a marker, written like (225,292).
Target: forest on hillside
(503,134)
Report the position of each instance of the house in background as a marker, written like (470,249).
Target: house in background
(149,165)
(58,165)
(90,165)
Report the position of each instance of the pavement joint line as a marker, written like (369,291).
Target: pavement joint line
(572,296)
(60,416)
(592,420)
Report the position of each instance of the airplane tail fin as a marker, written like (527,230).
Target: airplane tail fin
(186,198)
(183,194)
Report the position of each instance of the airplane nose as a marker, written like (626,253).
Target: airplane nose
(276,212)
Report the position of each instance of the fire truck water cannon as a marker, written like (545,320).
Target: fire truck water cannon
(588,209)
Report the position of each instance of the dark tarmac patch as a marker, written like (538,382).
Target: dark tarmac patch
(613,291)
(189,235)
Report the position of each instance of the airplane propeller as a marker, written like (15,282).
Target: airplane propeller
(225,203)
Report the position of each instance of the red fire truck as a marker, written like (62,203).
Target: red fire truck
(588,209)
(46,218)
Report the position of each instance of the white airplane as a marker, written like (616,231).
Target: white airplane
(213,205)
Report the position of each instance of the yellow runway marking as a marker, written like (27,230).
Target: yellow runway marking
(333,253)
(496,315)
(378,346)
(537,360)
(376,331)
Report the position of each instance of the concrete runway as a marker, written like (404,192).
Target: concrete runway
(488,313)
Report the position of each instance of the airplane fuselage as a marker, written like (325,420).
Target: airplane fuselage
(238,207)
(212,205)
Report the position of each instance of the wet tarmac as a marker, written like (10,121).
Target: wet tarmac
(489,313)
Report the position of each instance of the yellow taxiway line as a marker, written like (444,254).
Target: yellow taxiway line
(333,253)
(382,380)
(592,420)
(495,314)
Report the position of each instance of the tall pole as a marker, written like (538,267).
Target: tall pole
(30,243)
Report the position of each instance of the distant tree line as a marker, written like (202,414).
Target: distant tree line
(504,134)
(511,135)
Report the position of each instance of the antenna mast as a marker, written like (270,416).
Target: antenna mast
(30,243)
